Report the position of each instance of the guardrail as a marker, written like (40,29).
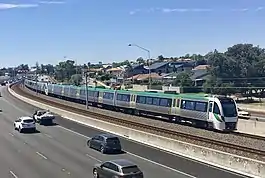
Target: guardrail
(217,158)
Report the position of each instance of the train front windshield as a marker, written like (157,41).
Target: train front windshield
(229,107)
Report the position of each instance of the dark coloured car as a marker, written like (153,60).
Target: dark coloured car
(121,168)
(105,143)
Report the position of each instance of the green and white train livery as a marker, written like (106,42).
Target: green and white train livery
(207,111)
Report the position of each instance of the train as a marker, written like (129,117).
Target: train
(201,110)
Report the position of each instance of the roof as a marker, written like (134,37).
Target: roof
(137,65)
(158,65)
(108,135)
(114,69)
(183,63)
(145,76)
(25,118)
(123,162)
(199,73)
(200,67)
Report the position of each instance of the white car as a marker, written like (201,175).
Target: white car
(43,117)
(25,123)
(243,114)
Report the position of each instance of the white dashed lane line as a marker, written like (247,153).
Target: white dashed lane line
(13,174)
(41,155)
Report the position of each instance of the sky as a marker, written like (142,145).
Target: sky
(46,31)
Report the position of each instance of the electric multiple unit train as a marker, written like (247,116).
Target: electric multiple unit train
(214,112)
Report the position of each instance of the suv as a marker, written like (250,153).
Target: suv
(25,123)
(117,168)
(105,143)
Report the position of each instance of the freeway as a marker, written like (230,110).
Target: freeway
(60,151)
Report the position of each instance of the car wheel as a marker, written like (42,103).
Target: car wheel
(95,173)
(102,149)
(20,130)
(88,144)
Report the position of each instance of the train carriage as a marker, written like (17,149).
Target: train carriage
(108,98)
(57,90)
(123,99)
(154,103)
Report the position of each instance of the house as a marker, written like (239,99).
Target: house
(145,77)
(181,66)
(200,74)
(169,67)
(115,71)
(137,69)
(160,67)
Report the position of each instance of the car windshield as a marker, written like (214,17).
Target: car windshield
(113,141)
(28,121)
(130,169)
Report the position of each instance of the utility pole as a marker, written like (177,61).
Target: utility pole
(36,76)
(86,77)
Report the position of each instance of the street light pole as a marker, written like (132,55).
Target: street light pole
(148,60)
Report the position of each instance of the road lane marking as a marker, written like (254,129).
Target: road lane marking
(92,157)
(47,135)
(41,155)
(132,154)
(11,134)
(13,174)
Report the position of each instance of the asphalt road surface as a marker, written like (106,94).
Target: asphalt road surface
(60,151)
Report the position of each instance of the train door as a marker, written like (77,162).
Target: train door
(132,101)
(114,98)
(175,107)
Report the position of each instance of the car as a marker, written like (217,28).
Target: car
(117,168)
(243,114)
(105,143)
(25,123)
(43,117)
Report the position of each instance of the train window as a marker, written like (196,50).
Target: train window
(137,99)
(90,93)
(201,106)
(111,96)
(216,109)
(183,104)
(164,102)
(125,98)
(155,101)
(149,100)
(190,105)
(119,97)
(105,95)
(211,107)
(142,100)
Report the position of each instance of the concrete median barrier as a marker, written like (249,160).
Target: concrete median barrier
(242,165)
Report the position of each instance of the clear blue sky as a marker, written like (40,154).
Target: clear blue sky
(100,30)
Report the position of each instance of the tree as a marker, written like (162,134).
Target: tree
(160,58)
(241,66)
(183,80)
(140,60)
(76,79)
(64,70)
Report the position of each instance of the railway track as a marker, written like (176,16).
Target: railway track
(147,128)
